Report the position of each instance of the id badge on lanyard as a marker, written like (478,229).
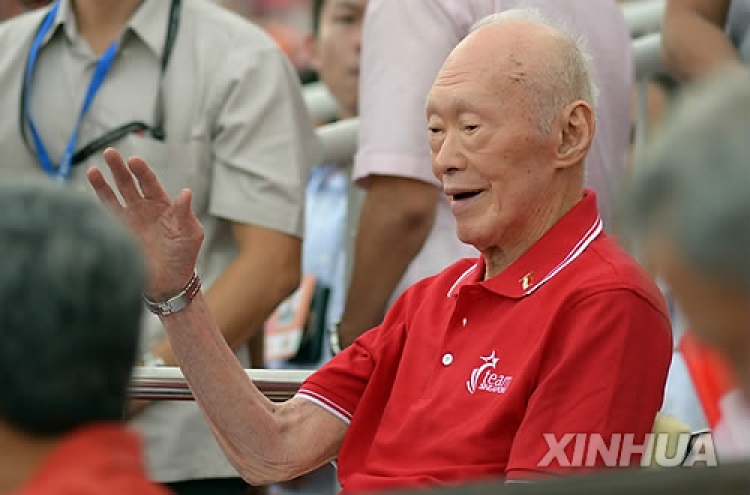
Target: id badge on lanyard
(61,172)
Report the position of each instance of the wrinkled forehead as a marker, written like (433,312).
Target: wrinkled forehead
(468,86)
(486,63)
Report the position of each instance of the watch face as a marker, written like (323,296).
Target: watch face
(176,303)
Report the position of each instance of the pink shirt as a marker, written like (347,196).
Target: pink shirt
(404,46)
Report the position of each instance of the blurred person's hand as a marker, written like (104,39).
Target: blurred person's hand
(694,40)
(169,232)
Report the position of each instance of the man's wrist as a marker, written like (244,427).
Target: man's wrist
(177,302)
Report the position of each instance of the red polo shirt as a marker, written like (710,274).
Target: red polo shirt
(465,376)
(100,459)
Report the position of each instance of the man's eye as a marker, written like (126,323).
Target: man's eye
(434,130)
(471,128)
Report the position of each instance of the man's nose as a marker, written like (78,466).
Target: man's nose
(448,157)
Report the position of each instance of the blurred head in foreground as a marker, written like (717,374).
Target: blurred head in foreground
(71,280)
(690,206)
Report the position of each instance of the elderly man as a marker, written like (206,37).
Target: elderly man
(70,315)
(406,231)
(692,208)
(553,330)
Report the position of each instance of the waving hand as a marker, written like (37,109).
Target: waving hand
(169,231)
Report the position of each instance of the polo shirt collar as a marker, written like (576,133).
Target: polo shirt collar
(557,248)
(63,18)
(149,23)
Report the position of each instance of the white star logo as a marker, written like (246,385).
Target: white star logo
(489,362)
(491,359)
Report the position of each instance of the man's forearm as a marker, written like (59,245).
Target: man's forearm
(264,441)
(693,46)
(396,219)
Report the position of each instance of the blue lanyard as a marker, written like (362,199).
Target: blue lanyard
(62,172)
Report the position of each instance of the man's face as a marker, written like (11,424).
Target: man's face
(718,314)
(487,150)
(337,50)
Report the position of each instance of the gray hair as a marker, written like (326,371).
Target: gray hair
(693,187)
(71,280)
(564,77)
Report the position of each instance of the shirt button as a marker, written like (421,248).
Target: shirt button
(464,322)
(447,359)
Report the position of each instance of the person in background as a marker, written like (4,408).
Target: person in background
(9,8)
(690,208)
(698,38)
(472,369)
(12,8)
(70,317)
(335,49)
(701,36)
(214,106)
(406,231)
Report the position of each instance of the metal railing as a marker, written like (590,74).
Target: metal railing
(168,383)
(644,16)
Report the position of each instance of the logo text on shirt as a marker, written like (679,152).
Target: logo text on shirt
(485,378)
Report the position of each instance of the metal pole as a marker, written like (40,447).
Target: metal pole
(644,17)
(168,383)
(339,141)
(320,102)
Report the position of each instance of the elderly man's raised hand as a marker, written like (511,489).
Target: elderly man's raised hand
(169,232)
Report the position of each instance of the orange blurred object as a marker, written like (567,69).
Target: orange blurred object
(291,41)
(288,38)
(710,374)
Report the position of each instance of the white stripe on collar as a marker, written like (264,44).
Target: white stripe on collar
(577,250)
(465,274)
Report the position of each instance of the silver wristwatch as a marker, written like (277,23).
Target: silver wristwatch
(176,303)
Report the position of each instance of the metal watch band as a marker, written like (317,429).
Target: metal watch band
(176,303)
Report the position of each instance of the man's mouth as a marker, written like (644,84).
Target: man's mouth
(465,195)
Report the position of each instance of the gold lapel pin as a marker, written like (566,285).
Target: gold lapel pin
(527,280)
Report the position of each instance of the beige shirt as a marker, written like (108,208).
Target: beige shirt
(238,135)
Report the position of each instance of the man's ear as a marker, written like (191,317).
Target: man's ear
(577,126)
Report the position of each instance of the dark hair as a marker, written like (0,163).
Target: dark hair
(70,309)
(316,13)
